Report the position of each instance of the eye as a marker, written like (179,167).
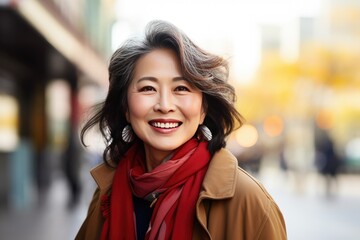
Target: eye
(147,89)
(182,88)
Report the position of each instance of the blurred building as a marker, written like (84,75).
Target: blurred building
(48,50)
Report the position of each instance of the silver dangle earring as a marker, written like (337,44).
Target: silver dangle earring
(127,134)
(205,132)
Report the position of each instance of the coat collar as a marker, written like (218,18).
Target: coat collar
(220,178)
(215,185)
(103,176)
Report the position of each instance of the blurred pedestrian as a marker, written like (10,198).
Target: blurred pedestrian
(326,159)
(71,166)
(167,174)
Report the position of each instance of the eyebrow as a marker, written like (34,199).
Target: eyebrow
(154,79)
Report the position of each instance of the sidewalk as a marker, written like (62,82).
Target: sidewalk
(310,213)
(48,220)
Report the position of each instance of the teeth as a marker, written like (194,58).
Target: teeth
(165,125)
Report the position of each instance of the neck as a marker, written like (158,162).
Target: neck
(154,158)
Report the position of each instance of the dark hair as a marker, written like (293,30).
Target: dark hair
(206,71)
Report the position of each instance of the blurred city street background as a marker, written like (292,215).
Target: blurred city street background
(295,65)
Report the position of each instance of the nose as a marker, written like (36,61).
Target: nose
(165,103)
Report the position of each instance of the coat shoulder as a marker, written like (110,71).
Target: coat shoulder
(236,197)
(261,211)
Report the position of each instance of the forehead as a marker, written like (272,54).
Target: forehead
(158,61)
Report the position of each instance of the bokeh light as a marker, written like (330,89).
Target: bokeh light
(273,125)
(247,136)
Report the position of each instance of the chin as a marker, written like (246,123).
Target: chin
(168,147)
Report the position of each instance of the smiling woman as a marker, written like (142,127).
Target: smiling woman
(167,174)
(162,105)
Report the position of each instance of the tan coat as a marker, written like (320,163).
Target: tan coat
(232,205)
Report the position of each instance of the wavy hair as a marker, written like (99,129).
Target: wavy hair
(206,71)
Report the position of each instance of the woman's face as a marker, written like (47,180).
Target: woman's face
(164,110)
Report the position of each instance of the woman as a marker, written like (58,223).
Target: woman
(166,173)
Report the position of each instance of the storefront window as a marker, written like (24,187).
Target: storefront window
(9,112)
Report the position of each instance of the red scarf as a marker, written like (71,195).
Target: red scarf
(176,183)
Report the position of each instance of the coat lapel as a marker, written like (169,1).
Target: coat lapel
(219,183)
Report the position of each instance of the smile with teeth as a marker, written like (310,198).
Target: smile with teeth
(165,125)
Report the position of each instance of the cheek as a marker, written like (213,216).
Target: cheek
(193,106)
(138,107)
